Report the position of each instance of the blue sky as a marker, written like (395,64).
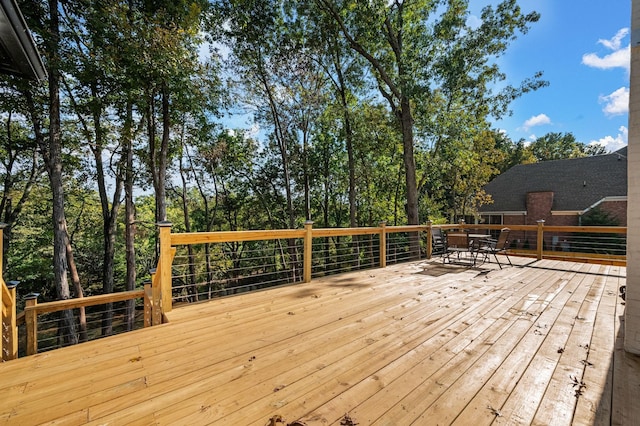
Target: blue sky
(582,47)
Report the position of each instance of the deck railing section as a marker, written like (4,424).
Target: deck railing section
(9,338)
(9,345)
(201,266)
(589,244)
(214,264)
(43,329)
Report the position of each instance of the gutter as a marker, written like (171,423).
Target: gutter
(18,50)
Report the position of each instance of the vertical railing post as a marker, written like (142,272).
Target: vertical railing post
(155,298)
(383,244)
(540,239)
(308,251)
(164,264)
(9,327)
(429,239)
(31,320)
(147,303)
(3,303)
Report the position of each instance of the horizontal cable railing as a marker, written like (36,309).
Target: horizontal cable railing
(339,254)
(209,270)
(595,244)
(52,325)
(201,266)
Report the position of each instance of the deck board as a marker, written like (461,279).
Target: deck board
(417,343)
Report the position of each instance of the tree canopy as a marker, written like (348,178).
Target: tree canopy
(344,112)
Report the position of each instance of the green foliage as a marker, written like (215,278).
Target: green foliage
(598,217)
(557,146)
(346,98)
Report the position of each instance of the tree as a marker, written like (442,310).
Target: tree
(416,54)
(557,146)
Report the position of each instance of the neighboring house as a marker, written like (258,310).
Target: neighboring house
(18,53)
(559,191)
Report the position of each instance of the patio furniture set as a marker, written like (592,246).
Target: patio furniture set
(470,249)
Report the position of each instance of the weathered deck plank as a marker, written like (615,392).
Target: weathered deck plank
(407,344)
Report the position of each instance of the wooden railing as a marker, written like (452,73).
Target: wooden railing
(588,244)
(33,309)
(541,242)
(9,338)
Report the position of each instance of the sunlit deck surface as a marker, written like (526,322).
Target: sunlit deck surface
(419,343)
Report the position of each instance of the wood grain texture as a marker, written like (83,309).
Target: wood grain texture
(415,343)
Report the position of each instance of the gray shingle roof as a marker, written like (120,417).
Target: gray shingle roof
(577,183)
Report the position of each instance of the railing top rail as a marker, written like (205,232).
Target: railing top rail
(337,232)
(547,228)
(593,229)
(275,234)
(406,228)
(61,305)
(232,236)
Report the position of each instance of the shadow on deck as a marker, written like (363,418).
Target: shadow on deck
(419,343)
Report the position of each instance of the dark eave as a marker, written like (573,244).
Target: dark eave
(18,52)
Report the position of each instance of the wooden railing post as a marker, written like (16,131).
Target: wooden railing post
(164,265)
(308,249)
(383,244)
(31,320)
(147,303)
(9,327)
(540,239)
(3,303)
(156,296)
(429,239)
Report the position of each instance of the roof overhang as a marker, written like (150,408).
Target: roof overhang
(18,52)
(603,200)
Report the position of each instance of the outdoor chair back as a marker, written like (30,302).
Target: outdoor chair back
(495,247)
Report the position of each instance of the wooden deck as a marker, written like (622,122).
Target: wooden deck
(420,343)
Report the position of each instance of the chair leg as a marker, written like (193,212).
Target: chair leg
(496,256)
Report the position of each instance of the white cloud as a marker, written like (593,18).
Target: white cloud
(611,143)
(617,103)
(619,58)
(536,120)
(616,41)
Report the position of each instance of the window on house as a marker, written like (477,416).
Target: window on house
(492,219)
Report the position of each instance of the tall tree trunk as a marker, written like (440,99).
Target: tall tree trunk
(129,212)
(281,137)
(192,289)
(406,120)
(109,213)
(54,161)
(77,287)
(9,209)
(348,136)
(162,160)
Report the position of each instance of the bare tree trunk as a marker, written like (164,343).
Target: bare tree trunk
(77,287)
(161,198)
(192,289)
(406,120)
(281,138)
(129,212)
(54,161)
